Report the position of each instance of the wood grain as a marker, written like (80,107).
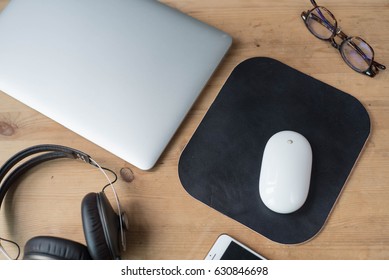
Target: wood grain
(165,222)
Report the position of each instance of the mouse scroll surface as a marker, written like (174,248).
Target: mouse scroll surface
(285,172)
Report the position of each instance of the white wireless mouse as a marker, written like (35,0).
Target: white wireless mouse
(285,172)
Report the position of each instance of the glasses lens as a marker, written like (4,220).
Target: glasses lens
(321,23)
(357,53)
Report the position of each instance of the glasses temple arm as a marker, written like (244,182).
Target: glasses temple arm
(379,66)
(314,3)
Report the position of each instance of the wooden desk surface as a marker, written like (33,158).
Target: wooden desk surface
(165,222)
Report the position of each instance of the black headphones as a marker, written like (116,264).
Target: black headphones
(104,230)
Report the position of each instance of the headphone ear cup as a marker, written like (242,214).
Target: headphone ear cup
(54,248)
(101,227)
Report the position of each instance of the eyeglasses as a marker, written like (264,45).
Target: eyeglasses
(358,54)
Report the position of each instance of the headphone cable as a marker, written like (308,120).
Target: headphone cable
(111,181)
(2,249)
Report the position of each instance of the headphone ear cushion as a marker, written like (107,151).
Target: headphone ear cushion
(54,248)
(101,227)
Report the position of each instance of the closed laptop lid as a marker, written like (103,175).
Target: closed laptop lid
(121,73)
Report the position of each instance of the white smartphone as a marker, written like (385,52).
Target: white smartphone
(228,248)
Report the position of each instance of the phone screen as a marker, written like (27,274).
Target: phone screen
(236,252)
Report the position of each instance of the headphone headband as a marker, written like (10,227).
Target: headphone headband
(52,152)
(72,153)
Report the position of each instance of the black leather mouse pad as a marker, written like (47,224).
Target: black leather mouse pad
(220,165)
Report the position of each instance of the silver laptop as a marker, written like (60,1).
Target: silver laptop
(121,73)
